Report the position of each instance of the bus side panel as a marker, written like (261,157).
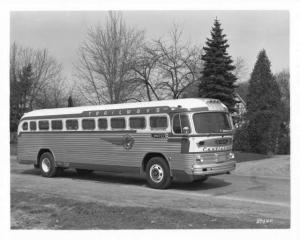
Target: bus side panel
(27,148)
(100,148)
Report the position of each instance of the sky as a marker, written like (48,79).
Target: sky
(248,32)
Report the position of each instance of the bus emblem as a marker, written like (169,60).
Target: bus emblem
(128,142)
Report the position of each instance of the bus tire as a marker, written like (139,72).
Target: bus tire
(47,165)
(158,173)
(83,171)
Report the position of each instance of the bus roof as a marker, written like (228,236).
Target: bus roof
(186,103)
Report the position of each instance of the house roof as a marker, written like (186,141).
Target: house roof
(240,98)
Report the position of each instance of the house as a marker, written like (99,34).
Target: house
(240,111)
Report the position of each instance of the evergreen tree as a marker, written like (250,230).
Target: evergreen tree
(25,87)
(70,102)
(217,79)
(20,89)
(263,107)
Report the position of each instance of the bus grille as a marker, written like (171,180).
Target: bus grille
(215,157)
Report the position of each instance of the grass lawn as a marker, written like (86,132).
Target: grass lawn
(246,156)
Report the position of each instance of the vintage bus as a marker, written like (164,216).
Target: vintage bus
(184,139)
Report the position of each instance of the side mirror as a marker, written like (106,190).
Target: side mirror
(186,130)
(234,131)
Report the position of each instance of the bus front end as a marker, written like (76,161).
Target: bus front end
(207,147)
(213,147)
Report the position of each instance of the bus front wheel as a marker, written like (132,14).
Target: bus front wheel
(158,173)
(47,165)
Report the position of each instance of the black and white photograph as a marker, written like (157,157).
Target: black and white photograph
(145,119)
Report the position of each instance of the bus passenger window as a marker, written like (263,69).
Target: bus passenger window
(33,126)
(158,122)
(25,126)
(137,122)
(88,124)
(117,123)
(43,125)
(72,124)
(56,125)
(179,122)
(102,123)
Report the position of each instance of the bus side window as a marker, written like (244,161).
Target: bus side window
(118,123)
(176,124)
(44,125)
(25,126)
(56,125)
(137,122)
(102,123)
(88,124)
(179,122)
(158,122)
(32,126)
(72,124)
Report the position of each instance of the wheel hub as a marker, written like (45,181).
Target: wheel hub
(156,173)
(46,165)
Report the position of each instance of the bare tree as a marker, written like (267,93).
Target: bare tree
(105,62)
(46,72)
(53,95)
(35,79)
(240,71)
(179,64)
(283,80)
(14,96)
(145,69)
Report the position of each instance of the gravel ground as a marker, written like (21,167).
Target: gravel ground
(30,211)
(256,195)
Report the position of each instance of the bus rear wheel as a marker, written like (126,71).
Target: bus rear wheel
(47,165)
(158,173)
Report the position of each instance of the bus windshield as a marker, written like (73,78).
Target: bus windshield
(211,122)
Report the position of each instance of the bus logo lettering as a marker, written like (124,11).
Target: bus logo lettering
(128,142)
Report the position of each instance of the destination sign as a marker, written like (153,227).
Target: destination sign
(158,135)
(130,111)
(215,148)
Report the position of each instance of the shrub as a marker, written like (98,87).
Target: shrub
(241,140)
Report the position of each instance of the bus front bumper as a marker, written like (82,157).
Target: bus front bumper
(213,169)
(199,171)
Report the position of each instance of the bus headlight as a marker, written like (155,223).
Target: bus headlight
(231,156)
(199,159)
